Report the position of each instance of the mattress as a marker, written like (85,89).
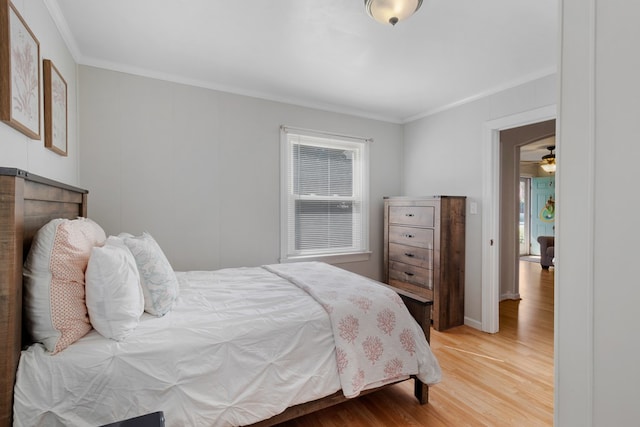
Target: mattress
(240,345)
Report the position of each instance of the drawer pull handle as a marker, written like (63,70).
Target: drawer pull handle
(408,274)
(409,236)
(409,254)
(409,214)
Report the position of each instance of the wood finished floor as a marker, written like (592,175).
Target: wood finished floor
(503,379)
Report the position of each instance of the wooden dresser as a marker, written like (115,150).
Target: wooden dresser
(424,252)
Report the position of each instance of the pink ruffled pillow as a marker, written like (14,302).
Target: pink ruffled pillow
(54,284)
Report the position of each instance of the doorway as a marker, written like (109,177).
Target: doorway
(499,222)
(514,143)
(537,196)
(543,196)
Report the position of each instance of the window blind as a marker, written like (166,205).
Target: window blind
(325,210)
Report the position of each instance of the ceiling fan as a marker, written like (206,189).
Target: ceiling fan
(548,163)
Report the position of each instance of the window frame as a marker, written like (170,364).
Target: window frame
(290,136)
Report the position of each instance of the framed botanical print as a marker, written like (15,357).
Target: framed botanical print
(19,72)
(55,109)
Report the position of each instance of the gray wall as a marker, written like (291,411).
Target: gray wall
(199,169)
(443,155)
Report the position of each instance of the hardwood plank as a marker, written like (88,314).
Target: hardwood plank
(504,379)
(11,233)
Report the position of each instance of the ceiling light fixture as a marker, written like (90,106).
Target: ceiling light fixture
(549,160)
(391,11)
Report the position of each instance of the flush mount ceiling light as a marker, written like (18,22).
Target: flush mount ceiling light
(549,160)
(391,11)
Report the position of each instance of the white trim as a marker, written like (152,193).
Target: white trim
(323,134)
(472,323)
(235,90)
(331,259)
(284,205)
(63,28)
(491,91)
(510,296)
(574,390)
(490,228)
(491,208)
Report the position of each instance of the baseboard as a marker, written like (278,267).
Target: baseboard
(513,296)
(473,323)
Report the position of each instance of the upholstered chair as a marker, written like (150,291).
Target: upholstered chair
(547,252)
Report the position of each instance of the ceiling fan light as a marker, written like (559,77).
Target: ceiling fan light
(549,167)
(391,11)
(549,161)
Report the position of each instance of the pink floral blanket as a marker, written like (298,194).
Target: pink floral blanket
(377,340)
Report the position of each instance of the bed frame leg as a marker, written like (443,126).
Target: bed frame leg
(421,391)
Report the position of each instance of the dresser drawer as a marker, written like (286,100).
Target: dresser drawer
(424,252)
(423,216)
(421,291)
(411,274)
(419,237)
(420,257)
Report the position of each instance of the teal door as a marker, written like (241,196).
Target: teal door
(543,210)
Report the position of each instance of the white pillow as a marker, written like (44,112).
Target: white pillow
(114,297)
(54,293)
(159,282)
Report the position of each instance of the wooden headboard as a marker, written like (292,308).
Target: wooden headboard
(27,202)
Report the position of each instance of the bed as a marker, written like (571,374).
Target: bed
(28,202)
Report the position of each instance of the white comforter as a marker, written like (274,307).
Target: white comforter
(240,345)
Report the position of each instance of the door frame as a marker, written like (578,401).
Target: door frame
(549,227)
(527,216)
(491,210)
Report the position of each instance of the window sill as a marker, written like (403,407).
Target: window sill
(330,258)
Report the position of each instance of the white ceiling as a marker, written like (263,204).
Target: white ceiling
(534,151)
(327,54)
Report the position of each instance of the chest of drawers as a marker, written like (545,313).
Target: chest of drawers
(424,252)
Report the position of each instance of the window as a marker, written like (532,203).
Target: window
(324,196)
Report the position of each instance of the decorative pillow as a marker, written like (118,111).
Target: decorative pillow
(159,282)
(54,281)
(114,296)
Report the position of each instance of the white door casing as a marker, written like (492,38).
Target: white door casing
(491,208)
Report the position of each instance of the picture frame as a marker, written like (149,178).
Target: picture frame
(19,72)
(55,108)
